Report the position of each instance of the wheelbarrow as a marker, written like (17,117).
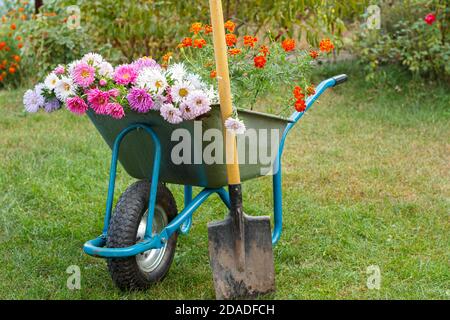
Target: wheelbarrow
(139,238)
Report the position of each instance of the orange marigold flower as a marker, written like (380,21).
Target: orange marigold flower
(230,26)
(4,19)
(313,54)
(23,17)
(311,90)
(19,38)
(2,45)
(231,39)
(288,45)
(20,45)
(207,29)
(298,93)
(234,51)
(199,43)
(12,70)
(13,26)
(167,57)
(213,74)
(264,50)
(260,61)
(326,45)
(17,58)
(300,105)
(1,78)
(249,41)
(196,27)
(187,42)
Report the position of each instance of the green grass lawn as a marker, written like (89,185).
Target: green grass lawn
(366,182)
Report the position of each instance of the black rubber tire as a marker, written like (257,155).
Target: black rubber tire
(130,208)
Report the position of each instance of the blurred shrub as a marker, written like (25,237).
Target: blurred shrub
(409,38)
(151,28)
(50,38)
(15,13)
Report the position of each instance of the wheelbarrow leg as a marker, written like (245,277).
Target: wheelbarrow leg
(186,226)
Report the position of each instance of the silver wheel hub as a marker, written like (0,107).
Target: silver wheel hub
(149,260)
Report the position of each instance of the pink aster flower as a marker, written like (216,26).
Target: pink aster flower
(98,100)
(102,82)
(171,114)
(115,110)
(59,70)
(125,74)
(83,74)
(199,102)
(145,62)
(169,98)
(76,105)
(235,126)
(187,112)
(140,100)
(114,93)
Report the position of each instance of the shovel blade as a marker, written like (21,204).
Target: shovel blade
(257,275)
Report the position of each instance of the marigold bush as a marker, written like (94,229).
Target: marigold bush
(11,42)
(257,67)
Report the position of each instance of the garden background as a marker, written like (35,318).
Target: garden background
(366,176)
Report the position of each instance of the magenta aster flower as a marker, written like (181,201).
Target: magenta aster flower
(115,110)
(76,105)
(83,74)
(125,74)
(98,100)
(140,100)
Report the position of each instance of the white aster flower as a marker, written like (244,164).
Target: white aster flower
(177,72)
(153,80)
(213,95)
(50,81)
(106,70)
(65,88)
(195,81)
(181,91)
(235,126)
(93,59)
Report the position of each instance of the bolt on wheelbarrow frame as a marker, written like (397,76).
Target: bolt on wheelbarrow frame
(183,221)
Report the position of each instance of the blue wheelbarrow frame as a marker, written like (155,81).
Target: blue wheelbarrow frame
(183,221)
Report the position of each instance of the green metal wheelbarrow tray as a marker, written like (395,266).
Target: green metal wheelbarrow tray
(143,145)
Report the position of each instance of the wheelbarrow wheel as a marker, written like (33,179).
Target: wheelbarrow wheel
(127,227)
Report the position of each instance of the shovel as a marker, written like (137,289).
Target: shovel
(240,247)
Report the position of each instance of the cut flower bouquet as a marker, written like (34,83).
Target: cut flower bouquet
(179,91)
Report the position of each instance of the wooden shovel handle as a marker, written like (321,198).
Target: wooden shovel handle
(223,78)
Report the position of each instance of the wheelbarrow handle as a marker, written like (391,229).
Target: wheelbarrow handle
(324,85)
